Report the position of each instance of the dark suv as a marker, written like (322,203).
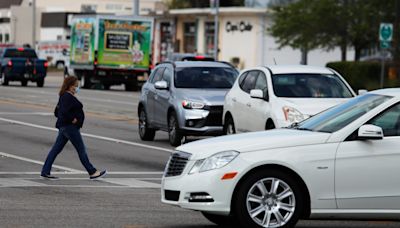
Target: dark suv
(184,98)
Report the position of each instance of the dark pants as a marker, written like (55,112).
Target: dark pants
(72,134)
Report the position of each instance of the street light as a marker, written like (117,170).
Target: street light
(216,27)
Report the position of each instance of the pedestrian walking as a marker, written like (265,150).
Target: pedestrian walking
(70,118)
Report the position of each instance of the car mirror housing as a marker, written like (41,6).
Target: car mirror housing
(370,132)
(362,91)
(257,93)
(162,85)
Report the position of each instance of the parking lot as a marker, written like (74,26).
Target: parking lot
(129,196)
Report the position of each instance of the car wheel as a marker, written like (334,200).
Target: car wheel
(40,83)
(175,137)
(229,126)
(269,198)
(4,80)
(221,220)
(24,83)
(145,132)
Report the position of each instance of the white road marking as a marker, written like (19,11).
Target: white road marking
(37,162)
(131,182)
(27,113)
(89,135)
(82,172)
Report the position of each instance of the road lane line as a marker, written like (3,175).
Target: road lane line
(37,162)
(89,135)
(28,113)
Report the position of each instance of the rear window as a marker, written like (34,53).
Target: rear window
(205,77)
(20,53)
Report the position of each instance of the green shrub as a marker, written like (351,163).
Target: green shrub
(363,75)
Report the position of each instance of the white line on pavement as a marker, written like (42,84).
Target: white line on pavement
(27,113)
(37,162)
(82,172)
(89,135)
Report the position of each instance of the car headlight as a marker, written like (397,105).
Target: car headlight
(292,115)
(192,104)
(216,161)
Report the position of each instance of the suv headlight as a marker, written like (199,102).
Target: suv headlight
(292,115)
(216,161)
(192,104)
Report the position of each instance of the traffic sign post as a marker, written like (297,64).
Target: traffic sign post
(385,37)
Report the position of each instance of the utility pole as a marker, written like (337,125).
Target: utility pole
(34,24)
(135,7)
(216,28)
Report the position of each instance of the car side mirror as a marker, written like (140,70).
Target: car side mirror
(362,91)
(257,93)
(161,85)
(370,132)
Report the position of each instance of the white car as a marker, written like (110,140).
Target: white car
(341,163)
(264,98)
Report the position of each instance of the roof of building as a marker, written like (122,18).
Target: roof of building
(5,4)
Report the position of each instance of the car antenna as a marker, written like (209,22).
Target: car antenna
(275,61)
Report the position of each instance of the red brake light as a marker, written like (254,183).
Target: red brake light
(20,49)
(9,63)
(46,64)
(199,57)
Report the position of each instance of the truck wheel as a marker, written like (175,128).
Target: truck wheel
(85,82)
(269,198)
(4,80)
(24,83)
(106,86)
(221,220)
(175,136)
(131,86)
(145,133)
(40,83)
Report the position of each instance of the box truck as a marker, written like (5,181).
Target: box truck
(110,50)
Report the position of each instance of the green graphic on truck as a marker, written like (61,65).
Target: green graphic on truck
(82,41)
(124,43)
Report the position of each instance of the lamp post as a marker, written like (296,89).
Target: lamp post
(34,24)
(216,28)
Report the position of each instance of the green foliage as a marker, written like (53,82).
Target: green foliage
(362,75)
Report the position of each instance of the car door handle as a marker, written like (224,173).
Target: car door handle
(248,105)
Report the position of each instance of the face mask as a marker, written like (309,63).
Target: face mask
(77,89)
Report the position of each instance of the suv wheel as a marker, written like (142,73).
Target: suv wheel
(229,126)
(221,220)
(175,137)
(40,83)
(269,198)
(145,132)
(4,80)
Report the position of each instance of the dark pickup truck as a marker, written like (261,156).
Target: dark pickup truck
(22,64)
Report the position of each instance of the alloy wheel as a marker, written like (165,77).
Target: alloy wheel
(271,202)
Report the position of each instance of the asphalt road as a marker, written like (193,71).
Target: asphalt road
(130,194)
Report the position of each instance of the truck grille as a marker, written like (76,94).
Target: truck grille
(214,118)
(176,164)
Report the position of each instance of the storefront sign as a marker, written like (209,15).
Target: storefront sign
(240,26)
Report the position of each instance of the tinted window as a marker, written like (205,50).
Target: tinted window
(261,82)
(242,77)
(389,121)
(158,75)
(250,81)
(310,85)
(205,77)
(20,53)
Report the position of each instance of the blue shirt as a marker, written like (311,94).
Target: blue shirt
(69,108)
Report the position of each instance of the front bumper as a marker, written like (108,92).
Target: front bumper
(209,182)
(12,76)
(202,121)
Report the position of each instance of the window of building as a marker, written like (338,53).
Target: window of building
(1,38)
(166,40)
(7,38)
(209,34)
(88,8)
(189,40)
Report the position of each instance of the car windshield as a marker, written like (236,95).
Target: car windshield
(20,53)
(310,85)
(340,116)
(205,77)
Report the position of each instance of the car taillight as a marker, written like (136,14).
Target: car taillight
(46,64)
(9,64)
(200,57)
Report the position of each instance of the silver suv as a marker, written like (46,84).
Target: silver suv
(184,98)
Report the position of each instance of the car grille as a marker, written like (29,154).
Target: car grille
(214,118)
(176,164)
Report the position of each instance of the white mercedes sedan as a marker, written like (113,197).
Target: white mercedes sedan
(341,163)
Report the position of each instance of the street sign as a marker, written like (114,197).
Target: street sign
(386,32)
(385,44)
